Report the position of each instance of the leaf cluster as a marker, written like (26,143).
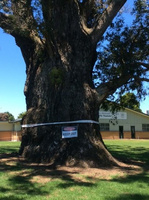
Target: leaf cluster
(21,115)
(56,77)
(124,52)
(6,116)
(129,101)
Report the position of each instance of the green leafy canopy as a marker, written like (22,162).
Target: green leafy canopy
(124,52)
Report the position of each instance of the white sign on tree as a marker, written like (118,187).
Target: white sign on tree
(69,131)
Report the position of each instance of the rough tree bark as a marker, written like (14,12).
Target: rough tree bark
(59,83)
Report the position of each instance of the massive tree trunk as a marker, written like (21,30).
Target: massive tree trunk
(59,86)
(56,93)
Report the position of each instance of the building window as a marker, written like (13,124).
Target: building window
(104,127)
(145,127)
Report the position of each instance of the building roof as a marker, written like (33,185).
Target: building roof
(138,113)
(16,120)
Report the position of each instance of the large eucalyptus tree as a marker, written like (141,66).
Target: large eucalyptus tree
(58,40)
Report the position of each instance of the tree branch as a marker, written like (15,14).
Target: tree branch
(105,19)
(144,79)
(21,22)
(85,10)
(141,79)
(146,65)
(6,22)
(108,88)
(21,25)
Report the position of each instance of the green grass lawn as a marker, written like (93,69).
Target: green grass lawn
(9,147)
(137,150)
(19,181)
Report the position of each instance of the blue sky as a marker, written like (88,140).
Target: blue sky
(12,77)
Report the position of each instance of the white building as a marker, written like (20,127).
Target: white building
(124,124)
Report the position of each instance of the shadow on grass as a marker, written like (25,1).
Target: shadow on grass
(8,149)
(11,197)
(129,197)
(131,155)
(138,156)
(20,183)
(131,187)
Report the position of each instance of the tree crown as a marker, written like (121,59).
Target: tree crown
(46,28)
(123,54)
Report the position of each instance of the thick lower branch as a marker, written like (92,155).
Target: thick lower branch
(105,19)
(106,89)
